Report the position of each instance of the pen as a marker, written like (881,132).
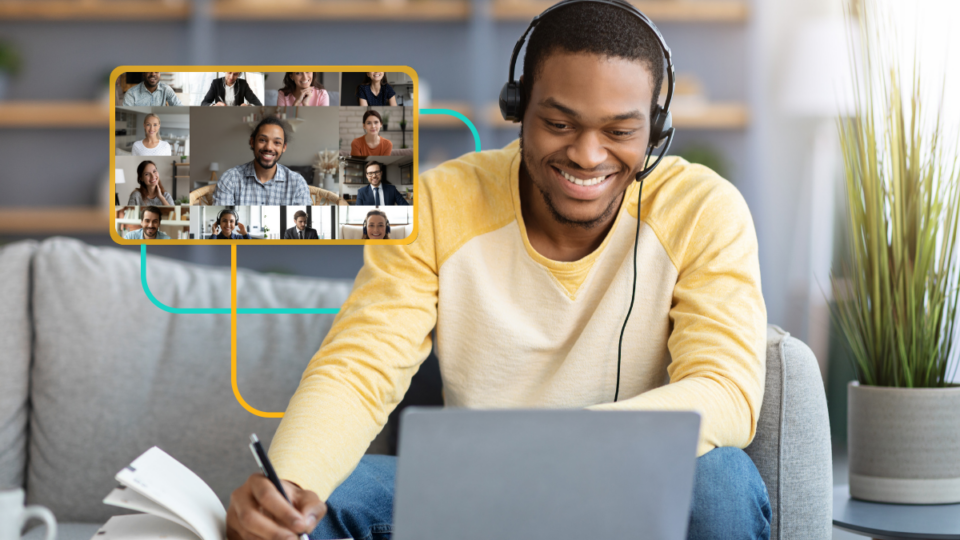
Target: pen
(267,469)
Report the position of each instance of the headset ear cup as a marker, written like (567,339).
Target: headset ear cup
(661,125)
(511,101)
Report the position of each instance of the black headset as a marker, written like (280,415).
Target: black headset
(385,218)
(661,122)
(226,211)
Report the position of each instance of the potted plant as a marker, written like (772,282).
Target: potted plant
(403,125)
(386,121)
(10,63)
(896,305)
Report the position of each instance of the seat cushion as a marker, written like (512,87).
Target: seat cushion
(15,338)
(792,445)
(114,374)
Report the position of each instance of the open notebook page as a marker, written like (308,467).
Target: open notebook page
(166,482)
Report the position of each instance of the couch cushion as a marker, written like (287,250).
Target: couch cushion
(15,338)
(792,446)
(114,375)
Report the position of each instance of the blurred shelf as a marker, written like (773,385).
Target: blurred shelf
(445,121)
(658,10)
(54,114)
(59,10)
(53,220)
(709,116)
(366,10)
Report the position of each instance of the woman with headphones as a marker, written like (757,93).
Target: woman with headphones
(150,191)
(228,227)
(376,226)
(302,88)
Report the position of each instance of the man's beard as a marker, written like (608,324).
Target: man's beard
(560,218)
(276,160)
(147,234)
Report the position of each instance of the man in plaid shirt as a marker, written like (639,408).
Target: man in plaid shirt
(263,181)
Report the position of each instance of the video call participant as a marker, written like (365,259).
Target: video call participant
(228,227)
(230,90)
(263,181)
(555,225)
(302,88)
(376,226)
(371,143)
(300,231)
(149,226)
(151,145)
(374,90)
(378,193)
(150,190)
(151,93)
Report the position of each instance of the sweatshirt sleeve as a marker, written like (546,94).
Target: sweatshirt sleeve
(717,344)
(363,368)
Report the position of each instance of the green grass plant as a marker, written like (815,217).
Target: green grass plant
(896,303)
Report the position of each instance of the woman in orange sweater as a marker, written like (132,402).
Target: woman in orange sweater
(371,143)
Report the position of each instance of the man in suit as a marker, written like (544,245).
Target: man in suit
(301,231)
(230,90)
(378,193)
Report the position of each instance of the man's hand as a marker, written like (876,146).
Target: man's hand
(219,104)
(258,511)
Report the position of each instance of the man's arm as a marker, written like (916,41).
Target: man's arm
(128,98)
(398,197)
(364,367)
(226,192)
(719,321)
(211,96)
(249,95)
(171,97)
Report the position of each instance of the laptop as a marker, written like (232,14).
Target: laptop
(552,474)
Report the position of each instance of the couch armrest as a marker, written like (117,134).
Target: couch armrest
(792,447)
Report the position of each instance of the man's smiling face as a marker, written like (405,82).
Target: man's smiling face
(585,133)
(268,145)
(152,79)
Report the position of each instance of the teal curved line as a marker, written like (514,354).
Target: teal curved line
(464,119)
(220,311)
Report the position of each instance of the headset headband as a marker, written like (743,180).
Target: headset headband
(667,55)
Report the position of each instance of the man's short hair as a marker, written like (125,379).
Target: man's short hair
(153,209)
(271,121)
(299,214)
(595,28)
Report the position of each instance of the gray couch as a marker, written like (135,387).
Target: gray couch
(92,374)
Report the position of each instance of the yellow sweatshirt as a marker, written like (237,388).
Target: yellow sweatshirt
(515,329)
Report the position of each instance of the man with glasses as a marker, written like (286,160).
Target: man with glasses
(379,193)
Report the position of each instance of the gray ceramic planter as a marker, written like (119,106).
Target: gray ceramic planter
(904,444)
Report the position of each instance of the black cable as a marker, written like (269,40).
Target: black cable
(633,293)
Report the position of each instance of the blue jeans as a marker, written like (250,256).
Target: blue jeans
(729,500)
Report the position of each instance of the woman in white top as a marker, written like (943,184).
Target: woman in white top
(151,145)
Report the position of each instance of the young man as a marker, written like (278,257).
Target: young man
(149,226)
(230,90)
(263,181)
(151,93)
(555,219)
(378,193)
(300,231)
